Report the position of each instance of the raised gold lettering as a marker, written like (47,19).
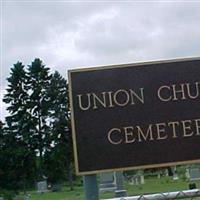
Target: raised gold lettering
(88,104)
(173,124)
(139,97)
(160,130)
(187,126)
(120,93)
(197,123)
(110,100)
(128,131)
(97,99)
(110,138)
(161,97)
(180,91)
(193,96)
(145,136)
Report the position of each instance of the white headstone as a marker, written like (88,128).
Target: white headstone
(187,173)
(142,179)
(42,186)
(107,182)
(166,172)
(175,175)
(194,174)
(135,180)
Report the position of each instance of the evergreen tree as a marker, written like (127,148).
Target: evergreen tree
(17,164)
(16,98)
(37,135)
(1,152)
(58,157)
(18,149)
(39,80)
(19,121)
(1,134)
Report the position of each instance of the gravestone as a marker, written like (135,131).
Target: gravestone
(137,179)
(56,187)
(27,197)
(194,174)
(175,174)
(107,182)
(42,186)
(142,179)
(187,174)
(166,172)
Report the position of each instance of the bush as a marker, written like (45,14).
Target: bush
(7,195)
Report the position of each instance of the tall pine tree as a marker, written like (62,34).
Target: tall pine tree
(1,152)
(17,97)
(39,80)
(19,121)
(59,155)
(18,151)
(37,132)
(1,134)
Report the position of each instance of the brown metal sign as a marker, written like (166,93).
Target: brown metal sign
(135,115)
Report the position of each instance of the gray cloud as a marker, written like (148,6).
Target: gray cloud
(75,34)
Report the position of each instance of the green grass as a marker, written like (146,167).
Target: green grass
(152,185)
(65,194)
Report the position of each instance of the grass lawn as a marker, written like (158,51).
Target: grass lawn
(65,194)
(152,185)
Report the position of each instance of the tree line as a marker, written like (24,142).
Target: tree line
(35,139)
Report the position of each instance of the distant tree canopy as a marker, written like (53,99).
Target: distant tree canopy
(35,140)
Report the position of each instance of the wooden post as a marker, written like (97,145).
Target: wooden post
(91,187)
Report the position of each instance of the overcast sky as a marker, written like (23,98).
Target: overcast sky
(71,34)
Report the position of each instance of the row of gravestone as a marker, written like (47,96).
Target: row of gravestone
(42,187)
(192,174)
(108,181)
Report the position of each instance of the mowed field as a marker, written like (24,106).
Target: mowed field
(152,185)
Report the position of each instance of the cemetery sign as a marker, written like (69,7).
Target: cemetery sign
(135,115)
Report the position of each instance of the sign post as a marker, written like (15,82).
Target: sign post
(120,191)
(91,187)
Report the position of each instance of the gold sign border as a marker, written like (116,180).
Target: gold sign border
(73,120)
